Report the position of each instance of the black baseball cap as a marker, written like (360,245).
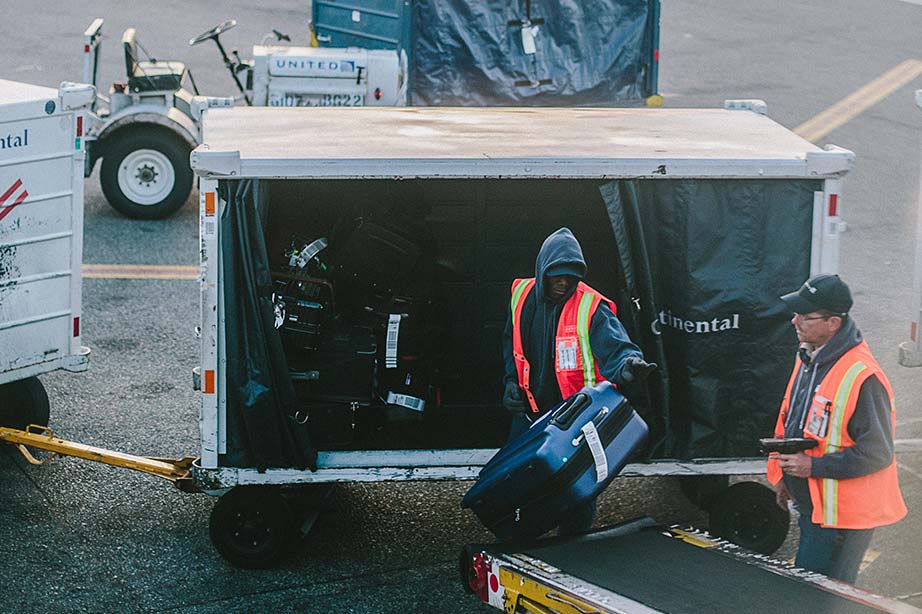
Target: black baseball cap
(566,268)
(820,293)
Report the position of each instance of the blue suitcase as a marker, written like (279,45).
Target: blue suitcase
(565,458)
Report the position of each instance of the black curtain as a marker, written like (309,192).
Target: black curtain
(262,428)
(716,255)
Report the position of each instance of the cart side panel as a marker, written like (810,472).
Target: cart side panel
(209,208)
(830,226)
(41,200)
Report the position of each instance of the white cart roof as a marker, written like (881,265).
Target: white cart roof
(443,142)
(14,91)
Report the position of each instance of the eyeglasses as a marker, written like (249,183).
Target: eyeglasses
(804,318)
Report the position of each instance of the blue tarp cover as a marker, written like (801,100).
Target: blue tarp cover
(586,52)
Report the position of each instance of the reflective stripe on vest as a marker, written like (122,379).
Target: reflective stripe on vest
(583,318)
(519,289)
(834,443)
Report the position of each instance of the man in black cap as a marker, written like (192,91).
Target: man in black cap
(839,397)
(562,335)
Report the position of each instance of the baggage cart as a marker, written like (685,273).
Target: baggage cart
(41,242)
(483,187)
(643,568)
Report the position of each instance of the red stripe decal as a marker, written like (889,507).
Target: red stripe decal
(833,205)
(6,211)
(9,192)
(79,125)
(209,381)
(76,327)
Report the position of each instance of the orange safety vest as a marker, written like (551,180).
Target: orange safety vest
(863,502)
(573,361)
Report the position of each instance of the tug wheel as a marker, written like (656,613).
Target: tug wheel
(145,173)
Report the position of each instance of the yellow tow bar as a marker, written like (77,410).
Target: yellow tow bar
(177,471)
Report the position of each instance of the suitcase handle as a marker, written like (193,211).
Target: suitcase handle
(565,414)
(597,421)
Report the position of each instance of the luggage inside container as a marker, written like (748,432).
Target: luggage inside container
(440,257)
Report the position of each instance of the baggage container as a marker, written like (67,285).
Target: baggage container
(694,221)
(507,52)
(565,459)
(41,241)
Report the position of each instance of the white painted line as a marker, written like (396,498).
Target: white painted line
(911,472)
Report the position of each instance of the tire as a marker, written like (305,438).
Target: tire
(252,527)
(145,172)
(704,490)
(746,514)
(24,402)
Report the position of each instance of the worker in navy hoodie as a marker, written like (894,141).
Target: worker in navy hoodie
(561,335)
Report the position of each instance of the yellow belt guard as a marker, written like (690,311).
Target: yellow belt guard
(178,471)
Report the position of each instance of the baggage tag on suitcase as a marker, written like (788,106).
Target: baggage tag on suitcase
(594,442)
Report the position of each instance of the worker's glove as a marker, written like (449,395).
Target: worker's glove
(512,398)
(636,369)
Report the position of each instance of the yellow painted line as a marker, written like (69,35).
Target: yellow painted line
(859,101)
(140,271)
(869,557)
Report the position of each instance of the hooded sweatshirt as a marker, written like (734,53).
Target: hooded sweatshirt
(869,426)
(611,346)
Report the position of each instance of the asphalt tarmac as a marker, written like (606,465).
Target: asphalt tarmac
(77,536)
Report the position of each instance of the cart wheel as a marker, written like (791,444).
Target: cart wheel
(704,490)
(24,402)
(746,514)
(145,173)
(252,526)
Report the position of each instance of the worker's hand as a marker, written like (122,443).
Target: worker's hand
(636,369)
(798,465)
(512,398)
(782,496)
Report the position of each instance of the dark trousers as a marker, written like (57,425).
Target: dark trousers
(578,519)
(836,553)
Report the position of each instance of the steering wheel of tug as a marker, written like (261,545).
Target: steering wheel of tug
(214,32)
